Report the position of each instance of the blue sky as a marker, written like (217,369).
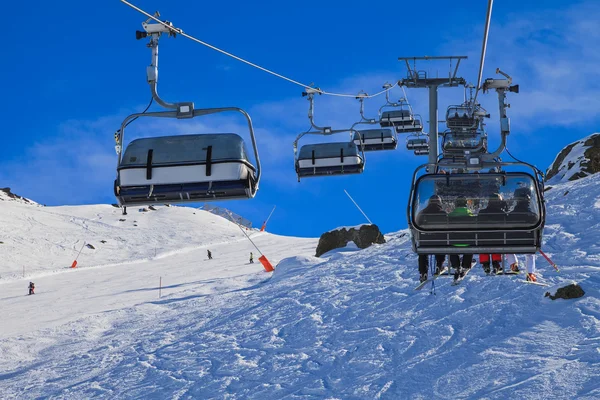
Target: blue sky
(73,70)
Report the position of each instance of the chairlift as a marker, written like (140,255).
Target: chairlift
(375,139)
(461,116)
(326,159)
(456,143)
(183,168)
(422,151)
(411,126)
(506,210)
(415,142)
(400,115)
(372,139)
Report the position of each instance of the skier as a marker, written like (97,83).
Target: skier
(31,288)
(524,213)
(512,260)
(251,258)
(460,267)
(434,207)
(493,213)
(209,254)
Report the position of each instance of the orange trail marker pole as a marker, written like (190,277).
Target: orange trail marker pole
(75,261)
(263,259)
(264,225)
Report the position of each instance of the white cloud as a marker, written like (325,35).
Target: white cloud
(552,55)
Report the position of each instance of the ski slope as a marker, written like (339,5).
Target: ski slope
(348,325)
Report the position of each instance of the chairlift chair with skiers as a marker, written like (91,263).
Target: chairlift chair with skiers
(502,208)
(456,143)
(516,228)
(461,116)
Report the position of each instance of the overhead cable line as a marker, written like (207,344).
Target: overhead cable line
(484,45)
(180,32)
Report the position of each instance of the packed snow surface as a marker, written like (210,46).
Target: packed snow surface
(348,325)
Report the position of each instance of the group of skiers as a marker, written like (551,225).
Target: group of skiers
(210,256)
(496,205)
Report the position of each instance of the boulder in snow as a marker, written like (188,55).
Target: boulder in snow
(572,291)
(363,237)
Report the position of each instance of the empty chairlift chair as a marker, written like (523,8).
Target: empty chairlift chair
(395,118)
(186,168)
(325,159)
(410,126)
(417,143)
(516,226)
(375,139)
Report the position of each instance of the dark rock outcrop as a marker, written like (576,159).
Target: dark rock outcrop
(363,237)
(572,291)
(577,160)
(6,194)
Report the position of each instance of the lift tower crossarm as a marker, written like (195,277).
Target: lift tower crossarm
(413,80)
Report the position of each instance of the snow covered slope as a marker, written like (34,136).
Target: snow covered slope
(346,326)
(48,239)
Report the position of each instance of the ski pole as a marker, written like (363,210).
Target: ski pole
(549,260)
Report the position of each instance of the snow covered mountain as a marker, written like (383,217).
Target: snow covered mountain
(346,326)
(579,159)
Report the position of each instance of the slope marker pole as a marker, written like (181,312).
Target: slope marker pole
(549,260)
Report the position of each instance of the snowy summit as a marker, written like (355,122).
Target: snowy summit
(579,159)
(7,195)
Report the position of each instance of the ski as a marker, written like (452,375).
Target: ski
(445,269)
(534,283)
(457,281)
(503,273)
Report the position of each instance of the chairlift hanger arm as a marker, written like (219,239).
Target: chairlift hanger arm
(361,98)
(155,30)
